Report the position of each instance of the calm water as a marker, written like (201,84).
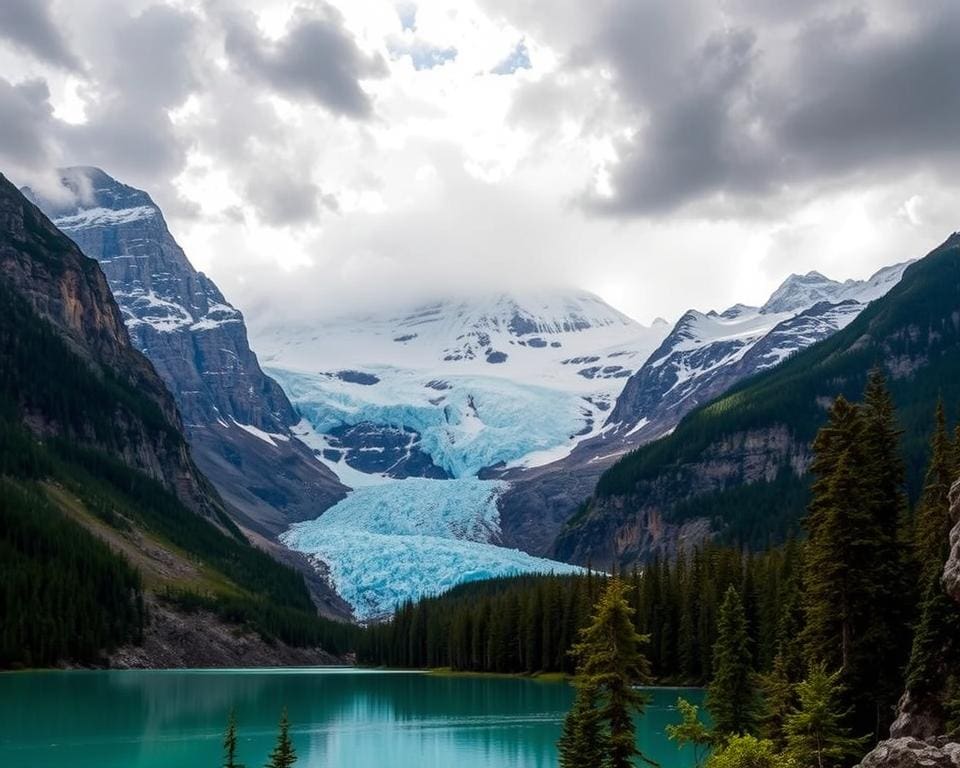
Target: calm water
(341,719)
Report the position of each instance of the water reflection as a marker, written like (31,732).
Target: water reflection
(341,719)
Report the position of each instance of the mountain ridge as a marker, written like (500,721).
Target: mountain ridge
(749,448)
(237,418)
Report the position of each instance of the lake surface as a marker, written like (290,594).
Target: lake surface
(341,718)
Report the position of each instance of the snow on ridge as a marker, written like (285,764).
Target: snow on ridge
(104,217)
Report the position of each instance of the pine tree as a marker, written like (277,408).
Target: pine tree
(731,696)
(885,614)
(815,732)
(582,743)
(834,518)
(283,755)
(611,664)
(779,698)
(933,510)
(230,743)
(691,730)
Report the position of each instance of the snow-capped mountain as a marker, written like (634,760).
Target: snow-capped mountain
(703,355)
(451,388)
(413,408)
(237,419)
(706,353)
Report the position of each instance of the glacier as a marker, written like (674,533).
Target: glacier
(476,422)
(405,539)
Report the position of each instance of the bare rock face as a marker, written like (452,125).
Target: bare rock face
(951,573)
(70,291)
(912,753)
(236,418)
(620,530)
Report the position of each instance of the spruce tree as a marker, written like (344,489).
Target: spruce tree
(834,519)
(611,664)
(691,731)
(582,742)
(932,518)
(885,614)
(230,743)
(283,755)
(815,732)
(731,696)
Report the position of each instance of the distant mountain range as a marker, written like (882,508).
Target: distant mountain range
(737,466)
(704,354)
(450,388)
(515,402)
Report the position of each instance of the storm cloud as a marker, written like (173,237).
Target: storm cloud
(29,25)
(317,58)
(325,154)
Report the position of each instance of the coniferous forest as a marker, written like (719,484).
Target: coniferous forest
(828,620)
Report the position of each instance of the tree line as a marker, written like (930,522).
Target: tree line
(809,643)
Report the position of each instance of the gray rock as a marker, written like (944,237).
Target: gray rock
(912,753)
(237,419)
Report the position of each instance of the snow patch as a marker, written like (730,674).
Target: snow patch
(104,217)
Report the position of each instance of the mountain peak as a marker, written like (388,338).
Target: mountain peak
(92,196)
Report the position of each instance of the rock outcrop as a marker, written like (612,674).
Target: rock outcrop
(237,419)
(912,753)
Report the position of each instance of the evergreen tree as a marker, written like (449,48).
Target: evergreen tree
(885,610)
(230,743)
(816,736)
(582,743)
(283,755)
(731,696)
(836,514)
(691,730)
(779,697)
(611,664)
(932,518)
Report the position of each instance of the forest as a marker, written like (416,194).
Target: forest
(856,598)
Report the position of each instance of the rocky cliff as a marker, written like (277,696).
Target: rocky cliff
(237,419)
(66,288)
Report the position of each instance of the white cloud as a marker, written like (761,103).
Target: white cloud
(417,171)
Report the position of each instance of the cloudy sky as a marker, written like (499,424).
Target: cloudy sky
(317,157)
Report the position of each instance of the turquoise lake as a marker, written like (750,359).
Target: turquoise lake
(341,718)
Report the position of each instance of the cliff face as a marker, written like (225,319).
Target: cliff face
(620,529)
(237,419)
(69,290)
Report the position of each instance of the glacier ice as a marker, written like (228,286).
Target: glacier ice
(405,539)
(477,422)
